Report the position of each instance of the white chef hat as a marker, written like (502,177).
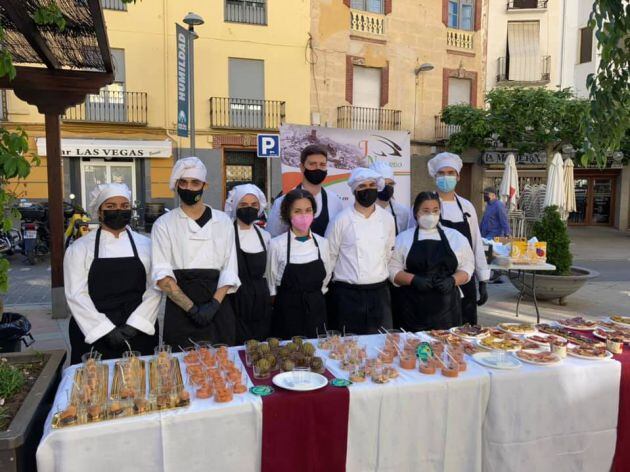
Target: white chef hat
(361,174)
(444,159)
(187,168)
(383,168)
(104,191)
(236,195)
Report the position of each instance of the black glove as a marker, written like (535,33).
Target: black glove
(115,339)
(444,284)
(203,314)
(483,293)
(422,283)
(128,331)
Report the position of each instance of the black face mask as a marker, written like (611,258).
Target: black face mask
(316,176)
(486,198)
(247,214)
(367,197)
(387,193)
(189,197)
(116,219)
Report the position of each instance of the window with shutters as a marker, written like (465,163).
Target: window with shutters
(114,5)
(461,14)
(459,91)
(374,6)
(586,45)
(253,12)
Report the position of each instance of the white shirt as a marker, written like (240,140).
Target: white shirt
(276,226)
(301,253)
(249,240)
(457,241)
(403,215)
(360,247)
(76,266)
(450,211)
(179,243)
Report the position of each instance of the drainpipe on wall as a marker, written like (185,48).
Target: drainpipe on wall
(564,15)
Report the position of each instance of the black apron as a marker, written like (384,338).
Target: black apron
(320,223)
(116,286)
(419,311)
(199,285)
(251,302)
(391,207)
(300,307)
(393,290)
(362,309)
(469,301)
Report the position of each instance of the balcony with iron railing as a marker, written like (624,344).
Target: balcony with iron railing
(444,131)
(246,113)
(364,22)
(526,4)
(253,12)
(111,106)
(524,73)
(462,39)
(118,5)
(368,118)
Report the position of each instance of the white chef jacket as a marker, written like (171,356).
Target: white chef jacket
(301,253)
(76,266)
(360,247)
(179,243)
(457,241)
(249,239)
(402,212)
(450,211)
(276,226)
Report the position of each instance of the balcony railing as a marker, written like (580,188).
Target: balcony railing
(443,131)
(253,12)
(114,5)
(368,118)
(503,71)
(246,113)
(111,106)
(459,38)
(366,22)
(523,4)
(4,113)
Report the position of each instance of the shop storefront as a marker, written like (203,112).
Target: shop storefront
(595,195)
(90,162)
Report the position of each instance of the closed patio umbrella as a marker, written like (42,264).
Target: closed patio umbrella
(555,184)
(569,187)
(509,191)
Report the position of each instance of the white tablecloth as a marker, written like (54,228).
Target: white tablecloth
(559,418)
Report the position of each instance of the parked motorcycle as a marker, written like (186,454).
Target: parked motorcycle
(77,221)
(34,230)
(10,242)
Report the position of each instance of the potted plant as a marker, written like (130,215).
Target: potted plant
(567,278)
(28,383)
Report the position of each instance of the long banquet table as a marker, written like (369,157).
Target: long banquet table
(536,418)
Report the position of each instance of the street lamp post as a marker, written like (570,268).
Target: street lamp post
(192,20)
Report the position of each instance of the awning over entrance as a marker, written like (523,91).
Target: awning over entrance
(111,148)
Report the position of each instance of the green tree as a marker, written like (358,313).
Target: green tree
(553,230)
(526,119)
(610,86)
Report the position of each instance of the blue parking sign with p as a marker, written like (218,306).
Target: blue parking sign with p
(268,145)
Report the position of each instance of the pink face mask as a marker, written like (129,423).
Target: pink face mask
(302,222)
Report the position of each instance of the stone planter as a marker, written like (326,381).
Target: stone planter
(550,287)
(19,442)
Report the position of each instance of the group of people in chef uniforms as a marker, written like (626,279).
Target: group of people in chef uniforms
(318,265)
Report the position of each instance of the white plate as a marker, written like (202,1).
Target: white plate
(545,335)
(619,323)
(495,349)
(490,359)
(300,381)
(544,364)
(597,335)
(574,328)
(480,336)
(517,333)
(608,356)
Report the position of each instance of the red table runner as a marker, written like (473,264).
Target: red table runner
(306,431)
(621,461)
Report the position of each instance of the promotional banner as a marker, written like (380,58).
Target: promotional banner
(347,149)
(183,77)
